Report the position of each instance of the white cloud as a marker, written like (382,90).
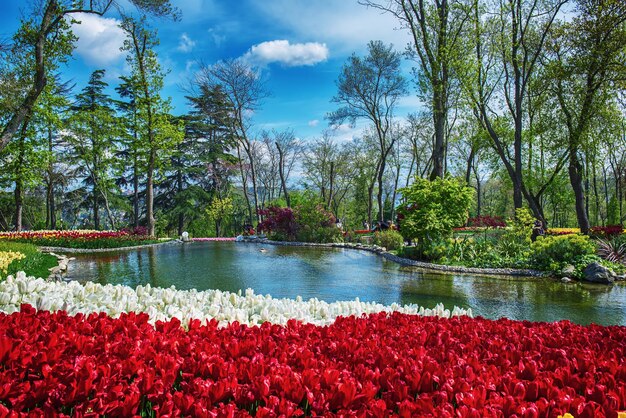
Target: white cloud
(99,39)
(345,26)
(313,123)
(217,37)
(186,44)
(291,55)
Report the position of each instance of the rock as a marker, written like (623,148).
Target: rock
(566,280)
(597,273)
(568,270)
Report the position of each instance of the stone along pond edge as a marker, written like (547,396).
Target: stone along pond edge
(511,272)
(408,262)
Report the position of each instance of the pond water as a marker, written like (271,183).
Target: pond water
(334,274)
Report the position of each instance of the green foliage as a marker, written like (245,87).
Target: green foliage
(35,263)
(552,253)
(432,208)
(315,224)
(390,239)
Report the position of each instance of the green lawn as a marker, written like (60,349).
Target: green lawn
(34,264)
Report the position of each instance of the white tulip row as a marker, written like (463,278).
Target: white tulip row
(164,304)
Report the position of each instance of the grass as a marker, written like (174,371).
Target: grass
(34,264)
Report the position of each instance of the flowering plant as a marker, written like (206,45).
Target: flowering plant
(486,221)
(55,364)
(562,231)
(81,238)
(607,231)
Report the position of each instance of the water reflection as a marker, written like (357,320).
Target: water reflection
(341,274)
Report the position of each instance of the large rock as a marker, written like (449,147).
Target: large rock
(568,271)
(597,273)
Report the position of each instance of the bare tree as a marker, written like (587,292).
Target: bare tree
(507,47)
(245,91)
(436,27)
(369,88)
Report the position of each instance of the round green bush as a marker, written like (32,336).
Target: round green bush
(552,253)
(390,239)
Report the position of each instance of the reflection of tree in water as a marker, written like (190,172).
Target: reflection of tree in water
(518,298)
(428,289)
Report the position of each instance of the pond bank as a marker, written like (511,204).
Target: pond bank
(411,263)
(104,250)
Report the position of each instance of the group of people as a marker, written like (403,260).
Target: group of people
(379,226)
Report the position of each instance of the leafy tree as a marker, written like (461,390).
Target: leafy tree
(47,40)
(587,62)
(92,136)
(369,88)
(506,44)
(158,134)
(430,209)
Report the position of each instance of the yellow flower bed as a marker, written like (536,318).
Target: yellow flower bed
(562,231)
(7,257)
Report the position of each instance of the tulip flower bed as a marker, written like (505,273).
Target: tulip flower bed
(7,257)
(186,305)
(81,238)
(216,239)
(370,366)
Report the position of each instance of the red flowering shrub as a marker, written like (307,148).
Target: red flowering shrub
(279,222)
(140,231)
(376,366)
(608,231)
(486,221)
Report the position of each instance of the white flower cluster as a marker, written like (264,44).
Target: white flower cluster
(164,304)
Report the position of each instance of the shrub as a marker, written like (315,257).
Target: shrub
(552,253)
(390,239)
(307,222)
(432,208)
(613,250)
(279,223)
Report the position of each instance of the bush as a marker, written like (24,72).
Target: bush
(390,239)
(552,253)
(307,222)
(279,223)
(432,208)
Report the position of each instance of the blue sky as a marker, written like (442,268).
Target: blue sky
(299,44)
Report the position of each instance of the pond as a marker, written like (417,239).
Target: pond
(333,274)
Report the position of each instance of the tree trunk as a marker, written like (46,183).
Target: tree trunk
(439,120)
(18,204)
(331,185)
(95,206)
(379,194)
(51,221)
(576,180)
(244,185)
(179,187)
(150,195)
(395,193)
(135,191)
(281,172)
